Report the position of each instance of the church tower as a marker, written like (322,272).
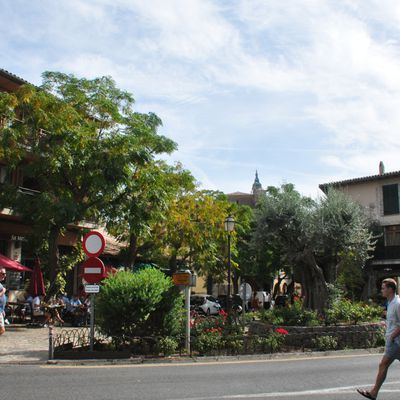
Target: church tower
(257,188)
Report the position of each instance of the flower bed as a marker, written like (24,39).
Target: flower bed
(347,336)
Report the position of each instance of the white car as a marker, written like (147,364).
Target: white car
(205,303)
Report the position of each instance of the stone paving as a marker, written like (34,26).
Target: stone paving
(24,345)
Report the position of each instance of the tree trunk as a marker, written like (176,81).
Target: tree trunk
(316,292)
(209,284)
(53,256)
(132,252)
(173,263)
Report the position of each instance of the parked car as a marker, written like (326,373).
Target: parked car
(237,302)
(205,303)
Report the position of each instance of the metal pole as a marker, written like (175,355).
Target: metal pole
(244,302)
(229,303)
(51,343)
(187,305)
(91,321)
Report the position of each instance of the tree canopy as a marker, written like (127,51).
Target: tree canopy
(311,239)
(80,143)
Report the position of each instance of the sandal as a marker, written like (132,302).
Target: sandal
(366,394)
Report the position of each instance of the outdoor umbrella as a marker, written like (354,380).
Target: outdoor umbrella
(36,287)
(13,265)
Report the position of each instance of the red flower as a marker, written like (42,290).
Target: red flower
(282,331)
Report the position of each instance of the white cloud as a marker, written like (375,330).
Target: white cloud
(232,78)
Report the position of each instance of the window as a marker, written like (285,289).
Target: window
(390,199)
(392,235)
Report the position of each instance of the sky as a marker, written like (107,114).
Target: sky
(304,91)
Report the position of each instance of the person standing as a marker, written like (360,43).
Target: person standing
(392,338)
(2,300)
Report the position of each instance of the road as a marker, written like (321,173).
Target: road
(328,378)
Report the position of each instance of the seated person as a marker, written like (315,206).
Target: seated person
(38,313)
(53,307)
(76,308)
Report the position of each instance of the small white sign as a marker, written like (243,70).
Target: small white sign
(92,288)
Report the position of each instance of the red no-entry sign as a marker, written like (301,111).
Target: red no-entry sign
(93,270)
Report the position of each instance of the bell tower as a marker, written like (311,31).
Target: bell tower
(257,188)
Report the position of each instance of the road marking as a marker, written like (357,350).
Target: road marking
(319,392)
(202,363)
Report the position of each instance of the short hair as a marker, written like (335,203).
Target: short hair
(390,283)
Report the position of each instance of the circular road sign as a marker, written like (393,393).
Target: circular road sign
(93,270)
(93,244)
(248,291)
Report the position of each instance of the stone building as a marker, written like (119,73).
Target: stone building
(379,196)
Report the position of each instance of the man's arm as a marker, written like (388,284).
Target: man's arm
(396,333)
(2,290)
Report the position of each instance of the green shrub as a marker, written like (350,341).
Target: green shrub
(292,315)
(138,304)
(209,342)
(347,312)
(234,344)
(167,345)
(273,342)
(324,343)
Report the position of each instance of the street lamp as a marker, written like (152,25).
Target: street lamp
(229,227)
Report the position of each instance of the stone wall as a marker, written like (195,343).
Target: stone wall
(301,337)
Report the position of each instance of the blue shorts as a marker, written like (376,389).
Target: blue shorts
(392,350)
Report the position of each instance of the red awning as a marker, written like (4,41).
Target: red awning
(7,263)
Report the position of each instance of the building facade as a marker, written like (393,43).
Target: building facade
(379,197)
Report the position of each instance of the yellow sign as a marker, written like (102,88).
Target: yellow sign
(181,279)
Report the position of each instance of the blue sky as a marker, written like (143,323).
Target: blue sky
(304,91)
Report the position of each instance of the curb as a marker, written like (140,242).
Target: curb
(203,359)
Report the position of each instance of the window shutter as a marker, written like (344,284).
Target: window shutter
(390,199)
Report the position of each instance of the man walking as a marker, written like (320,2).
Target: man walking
(2,299)
(392,338)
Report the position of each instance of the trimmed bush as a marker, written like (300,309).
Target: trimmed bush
(344,311)
(292,315)
(167,345)
(144,303)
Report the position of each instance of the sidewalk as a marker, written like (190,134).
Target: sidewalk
(22,345)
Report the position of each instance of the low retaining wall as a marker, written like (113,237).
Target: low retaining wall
(349,336)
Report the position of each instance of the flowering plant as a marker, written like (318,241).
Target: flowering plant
(281,331)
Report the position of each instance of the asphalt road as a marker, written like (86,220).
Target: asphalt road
(327,378)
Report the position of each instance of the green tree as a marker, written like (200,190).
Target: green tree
(145,203)
(79,141)
(193,233)
(312,238)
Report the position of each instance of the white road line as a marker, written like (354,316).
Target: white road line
(201,363)
(319,392)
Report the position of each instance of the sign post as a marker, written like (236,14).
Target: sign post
(245,295)
(185,278)
(93,271)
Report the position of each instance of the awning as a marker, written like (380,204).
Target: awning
(13,265)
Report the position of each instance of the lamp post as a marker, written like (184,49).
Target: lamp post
(229,227)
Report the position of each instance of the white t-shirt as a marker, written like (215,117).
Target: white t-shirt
(261,296)
(36,301)
(393,316)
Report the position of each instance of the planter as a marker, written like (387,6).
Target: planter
(349,336)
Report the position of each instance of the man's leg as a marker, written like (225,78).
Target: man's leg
(2,330)
(381,376)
